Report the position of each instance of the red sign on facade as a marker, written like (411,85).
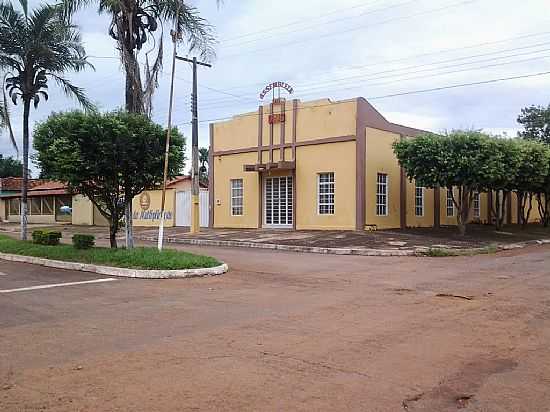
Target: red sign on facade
(277,118)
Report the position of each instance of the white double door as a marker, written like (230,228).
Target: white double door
(278,211)
(183,208)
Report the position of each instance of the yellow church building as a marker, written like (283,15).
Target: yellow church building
(320,165)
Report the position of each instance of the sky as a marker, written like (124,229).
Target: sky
(392,52)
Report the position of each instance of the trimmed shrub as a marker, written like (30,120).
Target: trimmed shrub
(46,237)
(83,241)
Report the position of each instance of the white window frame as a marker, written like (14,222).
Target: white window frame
(450,204)
(382,207)
(329,205)
(422,196)
(477,205)
(234,197)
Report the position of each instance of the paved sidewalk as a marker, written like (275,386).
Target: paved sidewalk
(392,241)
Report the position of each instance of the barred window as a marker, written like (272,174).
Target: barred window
(450,203)
(325,199)
(47,205)
(476,205)
(419,201)
(35,207)
(382,194)
(14,207)
(236,197)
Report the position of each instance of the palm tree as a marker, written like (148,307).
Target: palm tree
(36,48)
(134,23)
(203,159)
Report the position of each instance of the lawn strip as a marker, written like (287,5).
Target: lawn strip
(138,258)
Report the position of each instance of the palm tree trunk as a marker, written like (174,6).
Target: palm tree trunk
(24,188)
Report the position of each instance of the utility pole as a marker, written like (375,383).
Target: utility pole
(175,36)
(195,209)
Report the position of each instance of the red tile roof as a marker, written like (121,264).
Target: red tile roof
(14,183)
(41,188)
(49,185)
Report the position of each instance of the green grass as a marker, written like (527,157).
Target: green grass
(138,258)
(441,252)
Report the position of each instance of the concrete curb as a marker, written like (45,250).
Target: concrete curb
(121,272)
(416,251)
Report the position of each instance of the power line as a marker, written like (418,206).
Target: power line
(393,6)
(399,79)
(301,21)
(365,80)
(403,59)
(454,86)
(225,92)
(293,43)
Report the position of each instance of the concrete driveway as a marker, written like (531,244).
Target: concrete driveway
(283,331)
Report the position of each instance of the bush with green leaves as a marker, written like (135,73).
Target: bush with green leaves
(469,162)
(108,157)
(46,237)
(81,241)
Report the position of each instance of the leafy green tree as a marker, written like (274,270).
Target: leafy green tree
(10,167)
(462,159)
(34,48)
(536,123)
(502,181)
(110,158)
(203,160)
(543,201)
(530,176)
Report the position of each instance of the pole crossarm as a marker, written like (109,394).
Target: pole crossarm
(185,59)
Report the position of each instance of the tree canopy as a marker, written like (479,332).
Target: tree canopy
(10,167)
(108,157)
(471,162)
(536,123)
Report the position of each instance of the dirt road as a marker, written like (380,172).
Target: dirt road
(283,332)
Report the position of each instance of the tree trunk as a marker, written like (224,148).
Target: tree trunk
(524,211)
(113,229)
(25,185)
(499,208)
(129,224)
(463,206)
(134,90)
(544,208)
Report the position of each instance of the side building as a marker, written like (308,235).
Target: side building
(319,165)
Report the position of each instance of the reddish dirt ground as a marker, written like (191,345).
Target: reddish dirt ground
(281,332)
